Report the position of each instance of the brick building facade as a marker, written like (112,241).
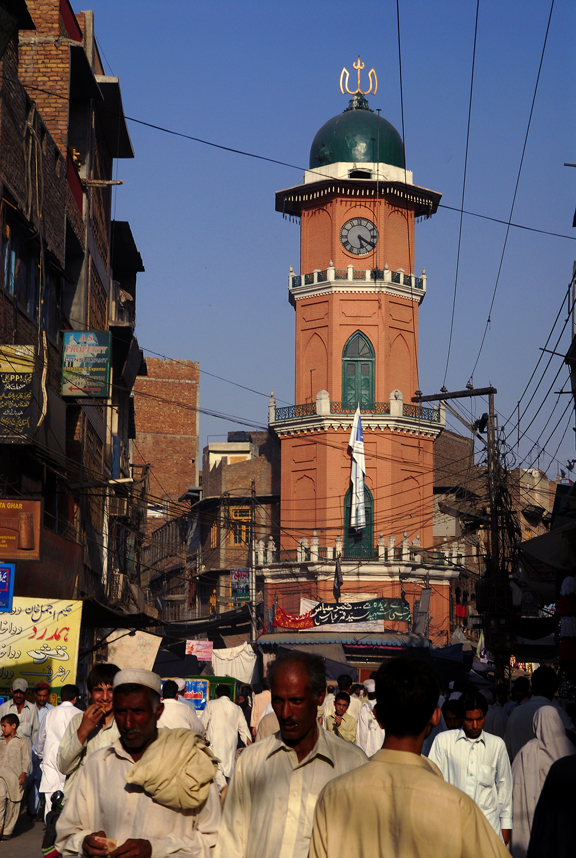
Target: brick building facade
(67,266)
(166,402)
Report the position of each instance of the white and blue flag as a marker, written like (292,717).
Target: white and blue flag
(357,510)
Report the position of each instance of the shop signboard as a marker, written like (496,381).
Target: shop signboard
(39,642)
(86,364)
(6,586)
(16,393)
(20,528)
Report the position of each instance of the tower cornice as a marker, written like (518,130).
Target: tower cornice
(292,201)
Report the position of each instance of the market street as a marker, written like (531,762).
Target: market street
(26,841)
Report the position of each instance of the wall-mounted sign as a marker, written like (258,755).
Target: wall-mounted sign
(6,586)
(240,584)
(20,528)
(16,396)
(86,363)
(39,641)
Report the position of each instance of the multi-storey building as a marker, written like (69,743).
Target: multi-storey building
(68,273)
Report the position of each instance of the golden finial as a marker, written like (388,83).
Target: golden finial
(345,75)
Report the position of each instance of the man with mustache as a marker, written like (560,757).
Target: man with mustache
(148,794)
(270,803)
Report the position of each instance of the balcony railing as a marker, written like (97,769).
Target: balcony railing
(365,275)
(417,412)
(368,408)
(309,409)
(292,412)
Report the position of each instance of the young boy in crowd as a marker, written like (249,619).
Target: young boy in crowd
(15,761)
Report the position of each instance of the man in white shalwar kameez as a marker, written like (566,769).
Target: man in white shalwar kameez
(177,714)
(48,740)
(369,735)
(150,794)
(224,723)
(91,730)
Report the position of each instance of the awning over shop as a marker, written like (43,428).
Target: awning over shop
(556,548)
(101,616)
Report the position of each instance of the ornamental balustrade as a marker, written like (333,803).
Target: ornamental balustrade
(308,409)
(356,275)
(385,550)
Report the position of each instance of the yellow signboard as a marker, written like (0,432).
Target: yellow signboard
(39,641)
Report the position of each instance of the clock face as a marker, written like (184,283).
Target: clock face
(359,236)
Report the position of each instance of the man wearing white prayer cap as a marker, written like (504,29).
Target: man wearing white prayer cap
(150,794)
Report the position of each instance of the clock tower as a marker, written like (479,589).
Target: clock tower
(356,300)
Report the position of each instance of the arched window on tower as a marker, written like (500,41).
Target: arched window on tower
(359,543)
(358,371)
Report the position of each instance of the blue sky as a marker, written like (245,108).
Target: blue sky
(263,77)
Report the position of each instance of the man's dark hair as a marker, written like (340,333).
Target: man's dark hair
(312,664)
(474,699)
(502,692)
(101,674)
(135,688)
(343,695)
(222,690)
(169,690)
(69,692)
(521,685)
(265,684)
(545,682)
(407,692)
(454,706)
(344,682)
(10,718)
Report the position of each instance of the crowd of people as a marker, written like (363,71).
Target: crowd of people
(389,767)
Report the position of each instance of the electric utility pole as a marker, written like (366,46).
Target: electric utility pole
(496,608)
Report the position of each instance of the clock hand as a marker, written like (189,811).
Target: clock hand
(364,242)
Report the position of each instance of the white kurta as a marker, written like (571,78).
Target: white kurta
(49,737)
(225,722)
(369,733)
(480,768)
(72,753)
(178,714)
(103,801)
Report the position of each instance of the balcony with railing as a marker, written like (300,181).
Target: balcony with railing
(324,407)
(390,550)
(359,276)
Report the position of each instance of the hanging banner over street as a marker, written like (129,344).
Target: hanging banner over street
(86,363)
(16,396)
(133,649)
(201,649)
(356,616)
(20,529)
(39,642)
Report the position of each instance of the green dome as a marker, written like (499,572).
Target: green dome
(353,136)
